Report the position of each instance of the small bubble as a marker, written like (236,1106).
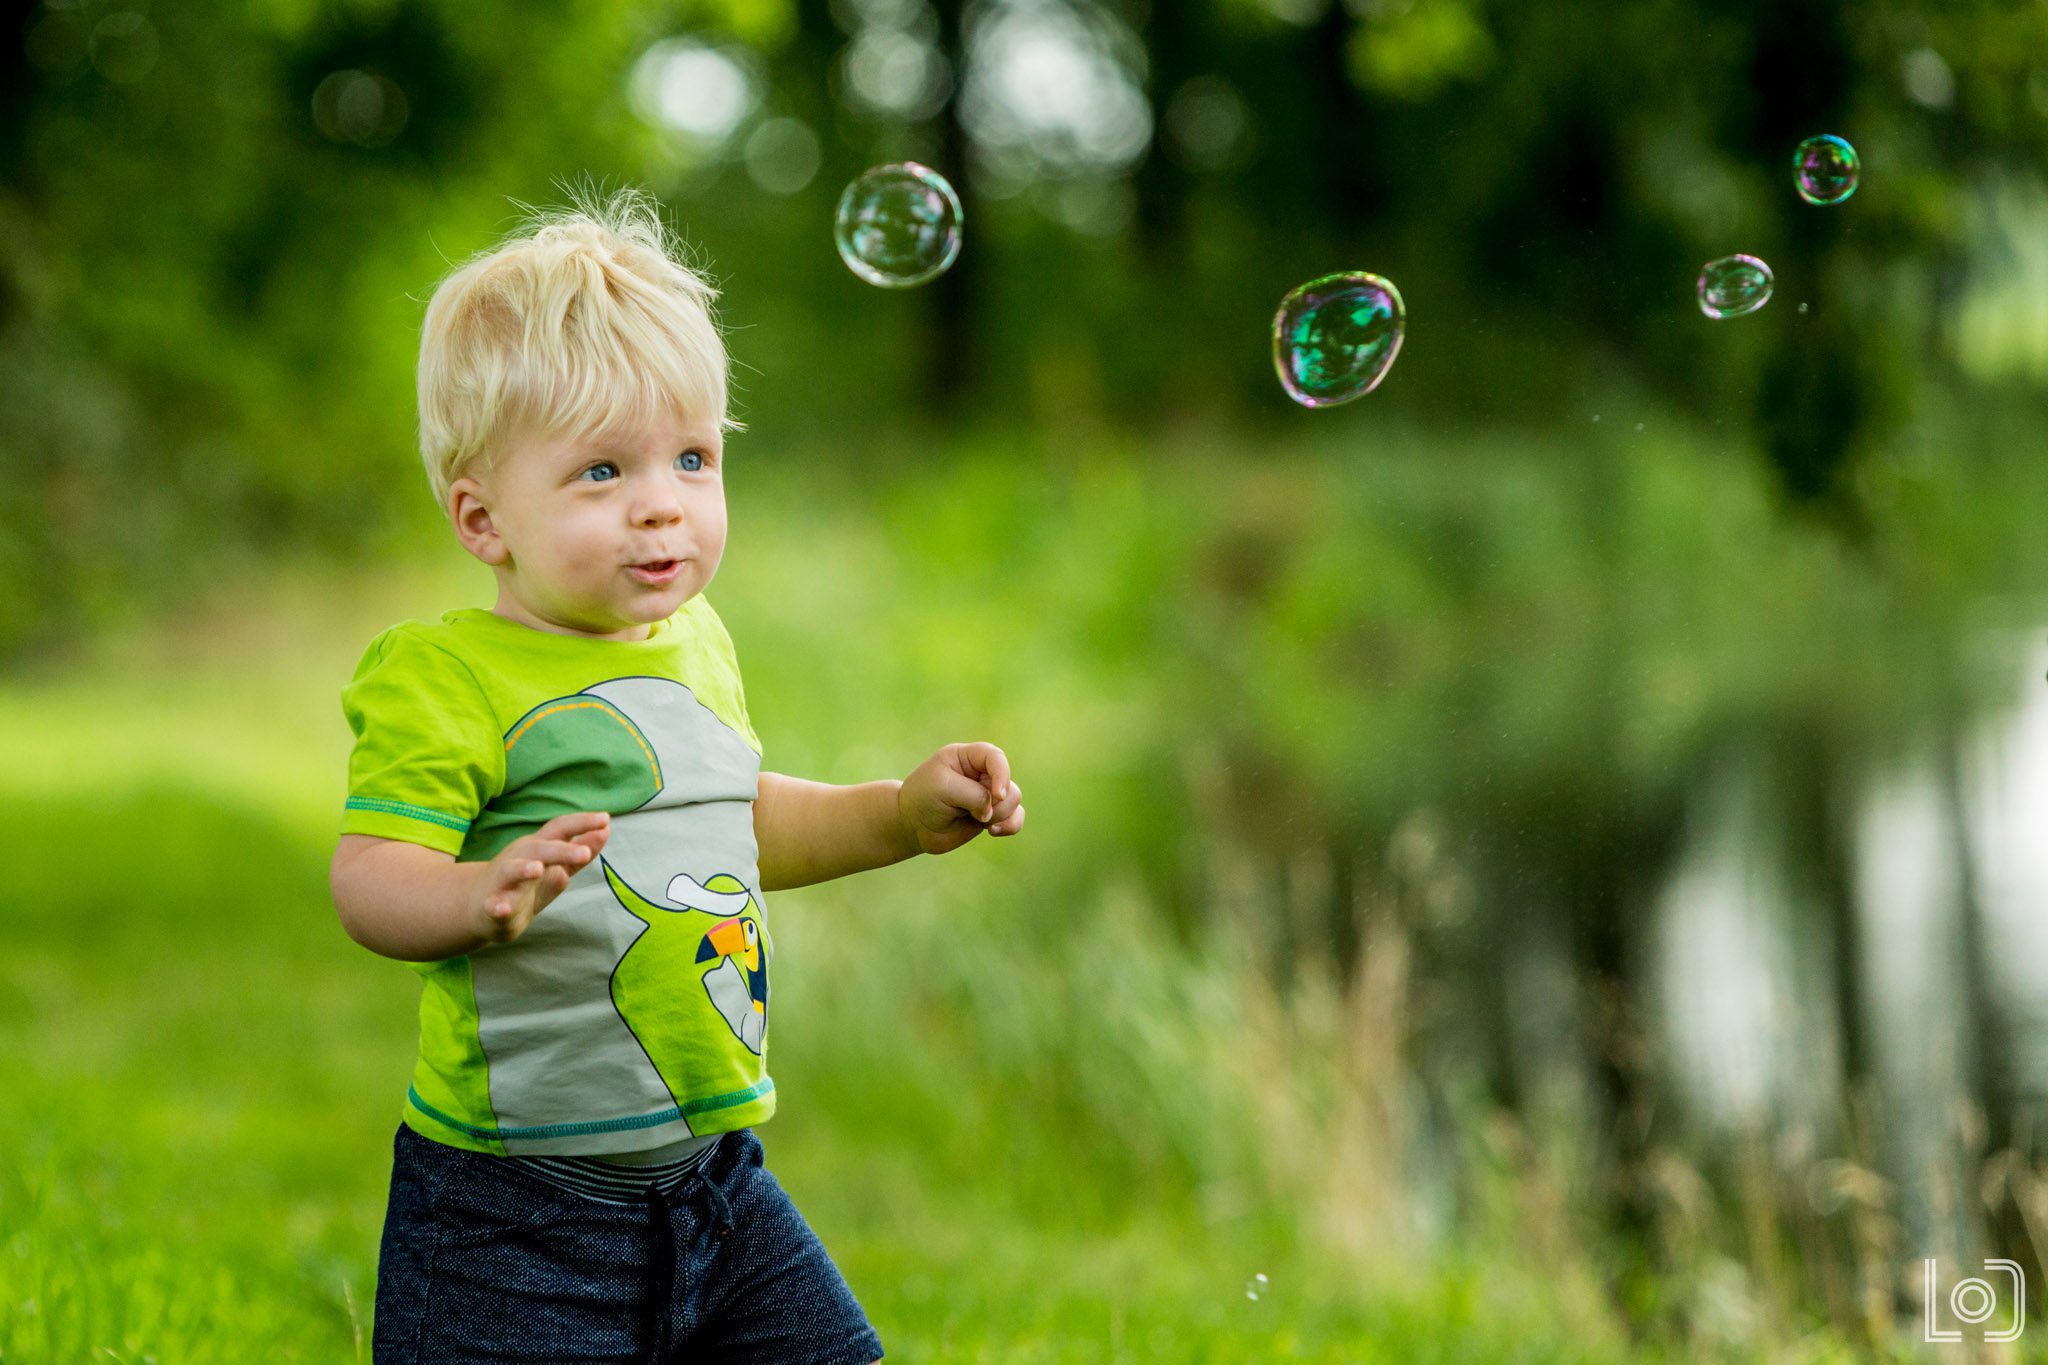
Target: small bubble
(1255,1286)
(1802,308)
(1596,416)
(1733,286)
(1639,426)
(1825,169)
(898,225)
(1335,337)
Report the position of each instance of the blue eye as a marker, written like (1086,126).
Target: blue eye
(693,460)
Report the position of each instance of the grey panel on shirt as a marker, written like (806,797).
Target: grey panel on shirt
(558,1050)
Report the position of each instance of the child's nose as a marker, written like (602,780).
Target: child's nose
(660,512)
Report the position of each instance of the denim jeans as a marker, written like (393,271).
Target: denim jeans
(483,1262)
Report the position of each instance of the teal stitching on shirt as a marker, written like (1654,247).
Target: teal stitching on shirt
(555,1130)
(378,803)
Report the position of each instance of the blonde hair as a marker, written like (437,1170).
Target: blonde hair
(584,323)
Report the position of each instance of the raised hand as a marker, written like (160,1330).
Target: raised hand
(533,869)
(957,793)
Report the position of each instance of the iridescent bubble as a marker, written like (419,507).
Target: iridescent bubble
(1734,285)
(1255,1286)
(898,225)
(1825,168)
(1334,338)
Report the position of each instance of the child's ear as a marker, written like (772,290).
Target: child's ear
(473,523)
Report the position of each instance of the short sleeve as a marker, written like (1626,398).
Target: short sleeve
(428,754)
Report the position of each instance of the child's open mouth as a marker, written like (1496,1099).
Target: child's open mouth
(661,571)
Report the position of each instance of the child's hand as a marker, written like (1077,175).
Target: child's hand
(532,870)
(957,793)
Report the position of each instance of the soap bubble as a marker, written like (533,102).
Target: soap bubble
(1255,1286)
(1825,168)
(1734,285)
(1334,338)
(898,225)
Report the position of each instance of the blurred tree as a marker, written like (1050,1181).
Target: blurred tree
(223,220)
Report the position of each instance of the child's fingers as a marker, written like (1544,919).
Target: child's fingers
(989,762)
(563,852)
(518,871)
(504,899)
(574,823)
(1009,803)
(961,792)
(1010,824)
(549,879)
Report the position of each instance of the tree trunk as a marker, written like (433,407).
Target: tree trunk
(951,360)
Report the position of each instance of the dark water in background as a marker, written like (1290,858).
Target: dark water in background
(1748,1020)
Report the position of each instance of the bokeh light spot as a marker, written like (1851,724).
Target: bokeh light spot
(783,155)
(58,41)
(1207,124)
(690,88)
(1927,78)
(897,74)
(124,47)
(365,108)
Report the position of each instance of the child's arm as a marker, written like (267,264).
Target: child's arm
(813,831)
(418,904)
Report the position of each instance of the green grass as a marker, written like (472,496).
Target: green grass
(203,1079)
(1103,1131)
(204,1074)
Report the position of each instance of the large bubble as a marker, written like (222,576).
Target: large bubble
(1334,338)
(1734,285)
(898,225)
(1825,169)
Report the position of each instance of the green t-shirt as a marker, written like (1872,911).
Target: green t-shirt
(633,1012)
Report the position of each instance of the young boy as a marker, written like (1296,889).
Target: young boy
(556,811)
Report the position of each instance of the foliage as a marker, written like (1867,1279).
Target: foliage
(210,279)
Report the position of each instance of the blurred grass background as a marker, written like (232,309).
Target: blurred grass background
(1120,1112)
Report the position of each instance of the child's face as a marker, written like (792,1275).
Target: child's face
(563,523)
